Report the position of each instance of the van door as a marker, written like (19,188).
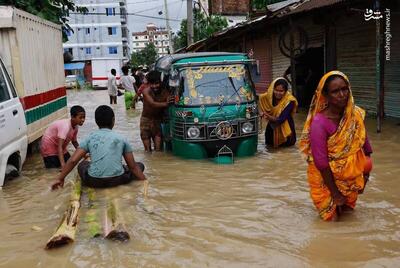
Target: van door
(12,117)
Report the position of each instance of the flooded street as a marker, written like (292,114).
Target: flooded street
(255,213)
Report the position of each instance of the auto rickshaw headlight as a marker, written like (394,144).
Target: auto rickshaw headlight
(247,127)
(193,132)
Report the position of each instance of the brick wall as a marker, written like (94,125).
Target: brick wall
(229,7)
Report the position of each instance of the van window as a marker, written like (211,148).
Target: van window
(225,84)
(14,93)
(4,94)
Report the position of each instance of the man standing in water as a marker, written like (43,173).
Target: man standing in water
(112,87)
(155,100)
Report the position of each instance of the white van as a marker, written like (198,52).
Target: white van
(101,70)
(13,129)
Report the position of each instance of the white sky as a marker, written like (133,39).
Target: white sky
(176,12)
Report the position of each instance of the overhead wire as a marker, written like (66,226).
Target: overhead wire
(179,12)
(142,2)
(160,6)
(128,14)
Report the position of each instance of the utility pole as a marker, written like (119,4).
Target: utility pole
(168,28)
(189,9)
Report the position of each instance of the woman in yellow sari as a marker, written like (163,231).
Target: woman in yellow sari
(335,142)
(278,106)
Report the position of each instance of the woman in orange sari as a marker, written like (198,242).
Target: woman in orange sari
(278,106)
(335,142)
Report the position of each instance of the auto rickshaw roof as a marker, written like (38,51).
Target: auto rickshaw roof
(165,63)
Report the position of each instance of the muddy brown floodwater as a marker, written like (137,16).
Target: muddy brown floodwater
(255,213)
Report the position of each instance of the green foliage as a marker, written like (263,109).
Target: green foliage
(93,223)
(55,11)
(87,86)
(262,4)
(146,56)
(203,27)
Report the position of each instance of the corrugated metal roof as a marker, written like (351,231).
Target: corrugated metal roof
(313,4)
(280,5)
(279,10)
(221,33)
(275,8)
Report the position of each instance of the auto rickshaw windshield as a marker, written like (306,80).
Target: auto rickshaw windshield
(207,85)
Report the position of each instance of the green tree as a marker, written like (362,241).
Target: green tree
(55,11)
(146,56)
(203,27)
(262,4)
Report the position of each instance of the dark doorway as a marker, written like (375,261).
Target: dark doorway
(313,61)
(309,70)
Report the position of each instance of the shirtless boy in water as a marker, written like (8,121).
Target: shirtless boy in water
(155,101)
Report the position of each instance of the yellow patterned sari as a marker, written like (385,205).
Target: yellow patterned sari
(283,131)
(345,154)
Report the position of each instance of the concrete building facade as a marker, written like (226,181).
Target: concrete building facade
(158,36)
(101,33)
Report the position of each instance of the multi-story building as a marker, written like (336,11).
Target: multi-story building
(158,36)
(101,33)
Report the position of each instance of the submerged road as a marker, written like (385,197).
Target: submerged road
(255,213)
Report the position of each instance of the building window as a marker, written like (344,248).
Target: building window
(166,36)
(112,50)
(68,32)
(88,50)
(136,37)
(112,30)
(69,50)
(110,11)
(145,37)
(87,30)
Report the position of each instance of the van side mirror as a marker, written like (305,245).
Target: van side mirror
(257,67)
(173,79)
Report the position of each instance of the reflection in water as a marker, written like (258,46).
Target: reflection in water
(255,213)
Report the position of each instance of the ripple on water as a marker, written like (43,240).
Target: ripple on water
(255,213)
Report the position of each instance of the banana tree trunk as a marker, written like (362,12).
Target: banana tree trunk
(91,218)
(114,227)
(65,232)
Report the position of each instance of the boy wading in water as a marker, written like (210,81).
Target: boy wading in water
(112,87)
(57,137)
(128,84)
(106,149)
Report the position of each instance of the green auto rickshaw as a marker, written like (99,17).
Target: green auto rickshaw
(215,112)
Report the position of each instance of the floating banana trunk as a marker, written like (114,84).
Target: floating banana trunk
(114,227)
(65,232)
(91,218)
